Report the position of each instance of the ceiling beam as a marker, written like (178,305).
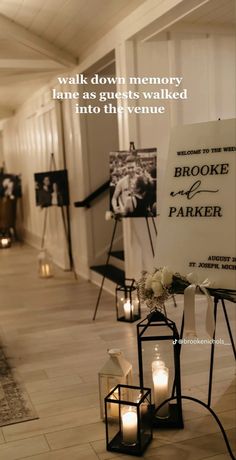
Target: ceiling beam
(5,112)
(171,17)
(29,64)
(20,34)
(18,78)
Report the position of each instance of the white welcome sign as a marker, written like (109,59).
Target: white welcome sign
(197,228)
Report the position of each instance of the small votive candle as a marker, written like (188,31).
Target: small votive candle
(129,426)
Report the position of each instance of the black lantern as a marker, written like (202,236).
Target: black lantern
(159,367)
(128,418)
(5,240)
(127,302)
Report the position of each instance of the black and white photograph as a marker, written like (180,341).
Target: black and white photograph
(10,186)
(133,183)
(51,188)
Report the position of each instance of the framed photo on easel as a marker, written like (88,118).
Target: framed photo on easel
(133,183)
(51,188)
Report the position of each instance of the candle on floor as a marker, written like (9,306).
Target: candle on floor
(128,309)
(129,425)
(4,242)
(160,376)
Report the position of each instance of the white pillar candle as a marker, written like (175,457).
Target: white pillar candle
(160,375)
(129,426)
(128,309)
(157,364)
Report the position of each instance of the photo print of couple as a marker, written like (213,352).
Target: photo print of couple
(10,186)
(51,188)
(133,183)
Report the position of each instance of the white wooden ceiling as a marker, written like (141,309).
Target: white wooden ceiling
(39,38)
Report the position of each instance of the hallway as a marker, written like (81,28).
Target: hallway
(57,351)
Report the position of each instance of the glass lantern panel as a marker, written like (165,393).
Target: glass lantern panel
(127,304)
(157,330)
(145,416)
(158,369)
(107,383)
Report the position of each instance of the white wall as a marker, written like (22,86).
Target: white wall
(29,139)
(207,63)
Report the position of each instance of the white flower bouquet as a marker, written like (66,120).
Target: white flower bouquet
(155,288)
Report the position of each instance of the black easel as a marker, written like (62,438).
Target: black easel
(117,219)
(66,225)
(107,262)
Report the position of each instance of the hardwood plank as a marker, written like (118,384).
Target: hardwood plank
(76,435)
(23,448)
(50,424)
(82,452)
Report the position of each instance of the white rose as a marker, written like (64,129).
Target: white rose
(148,282)
(157,276)
(157,288)
(167,277)
(109,215)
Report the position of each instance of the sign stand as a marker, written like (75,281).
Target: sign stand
(216,301)
(210,381)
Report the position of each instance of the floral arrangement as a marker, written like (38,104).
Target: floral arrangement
(157,287)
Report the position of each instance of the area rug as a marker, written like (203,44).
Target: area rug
(15,405)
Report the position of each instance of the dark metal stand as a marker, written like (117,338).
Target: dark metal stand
(131,149)
(107,262)
(210,381)
(190,398)
(216,301)
(150,236)
(117,219)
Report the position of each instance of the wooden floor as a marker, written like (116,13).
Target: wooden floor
(57,351)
